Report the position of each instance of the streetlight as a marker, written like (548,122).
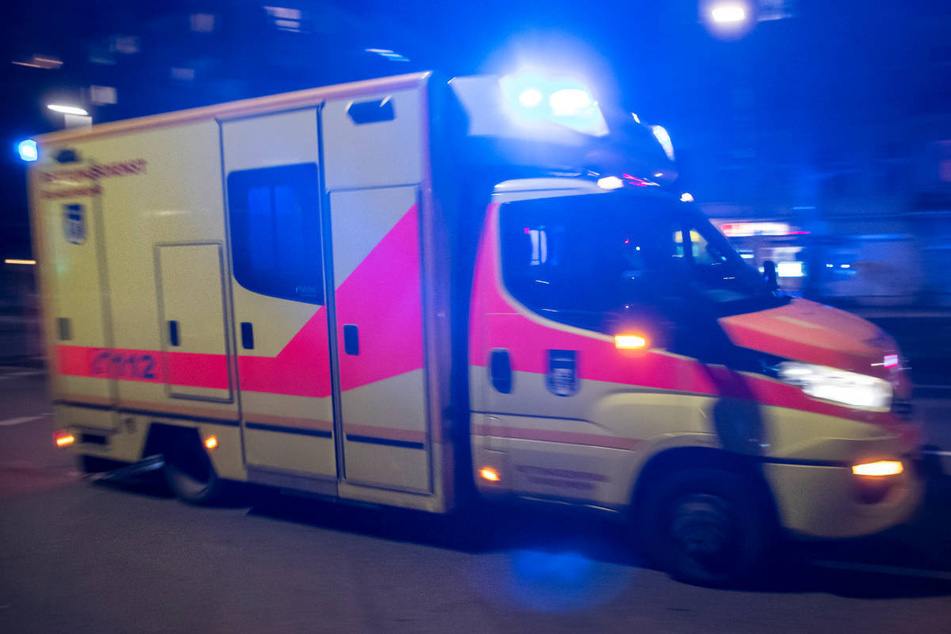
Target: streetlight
(62,109)
(73,116)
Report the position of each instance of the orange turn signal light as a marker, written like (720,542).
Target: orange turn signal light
(879,469)
(63,438)
(630,342)
(490,474)
(211,442)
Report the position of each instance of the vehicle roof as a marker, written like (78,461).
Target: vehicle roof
(238,109)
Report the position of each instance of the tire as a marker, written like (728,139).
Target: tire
(190,474)
(707,526)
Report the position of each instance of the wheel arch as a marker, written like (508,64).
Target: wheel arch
(162,436)
(670,460)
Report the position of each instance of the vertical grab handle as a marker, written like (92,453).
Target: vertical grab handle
(247,335)
(351,339)
(173,339)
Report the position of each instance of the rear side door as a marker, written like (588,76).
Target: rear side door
(85,363)
(271,168)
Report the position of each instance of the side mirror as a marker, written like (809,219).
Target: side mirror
(769,275)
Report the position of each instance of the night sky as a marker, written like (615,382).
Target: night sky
(829,87)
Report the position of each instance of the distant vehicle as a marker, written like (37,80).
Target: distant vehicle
(860,270)
(400,290)
(870,270)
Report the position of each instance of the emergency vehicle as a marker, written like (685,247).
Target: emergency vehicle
(398,290)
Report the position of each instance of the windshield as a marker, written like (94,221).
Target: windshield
(577,258)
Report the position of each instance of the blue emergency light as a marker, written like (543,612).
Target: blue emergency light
(532,98)
(28,150)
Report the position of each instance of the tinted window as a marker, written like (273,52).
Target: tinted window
(275,232)
(577,259)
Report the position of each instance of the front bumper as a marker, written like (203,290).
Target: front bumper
(829,501)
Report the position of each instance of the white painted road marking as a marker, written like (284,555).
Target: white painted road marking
(19,375)
(921,573)
(10,422)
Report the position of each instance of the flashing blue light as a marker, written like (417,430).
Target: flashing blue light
(533,99)
(28,150)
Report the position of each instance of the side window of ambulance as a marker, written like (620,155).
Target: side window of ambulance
(555,261)
(275,231)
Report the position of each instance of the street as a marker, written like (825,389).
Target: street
(83,556)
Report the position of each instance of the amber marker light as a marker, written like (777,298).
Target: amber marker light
(630,342)
(211,442)
(490,474)
(63,438)
(879,469)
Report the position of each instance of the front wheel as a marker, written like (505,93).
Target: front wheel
(706,526)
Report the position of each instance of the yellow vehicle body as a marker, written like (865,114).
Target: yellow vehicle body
(285,279)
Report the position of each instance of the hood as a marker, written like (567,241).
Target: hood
(814,333)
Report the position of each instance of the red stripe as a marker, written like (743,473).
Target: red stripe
(144,366)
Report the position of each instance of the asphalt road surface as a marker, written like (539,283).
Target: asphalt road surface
(78,556)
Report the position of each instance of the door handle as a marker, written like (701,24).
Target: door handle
(351,339)
(247,335)
(500,371)
(65,328)
(173,332)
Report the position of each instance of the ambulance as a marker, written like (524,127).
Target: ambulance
(407,291)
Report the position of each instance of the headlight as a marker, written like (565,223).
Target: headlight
(840,386)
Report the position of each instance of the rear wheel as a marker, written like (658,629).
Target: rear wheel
(190,474)
(706,526)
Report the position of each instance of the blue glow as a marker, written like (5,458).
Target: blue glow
(386,53)
(558,569)
(660,133)
(533,99)
(28,150)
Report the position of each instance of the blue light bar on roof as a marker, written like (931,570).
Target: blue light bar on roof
(533,99)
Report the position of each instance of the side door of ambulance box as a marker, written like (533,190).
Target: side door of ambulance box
(271,171)
(375,152)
